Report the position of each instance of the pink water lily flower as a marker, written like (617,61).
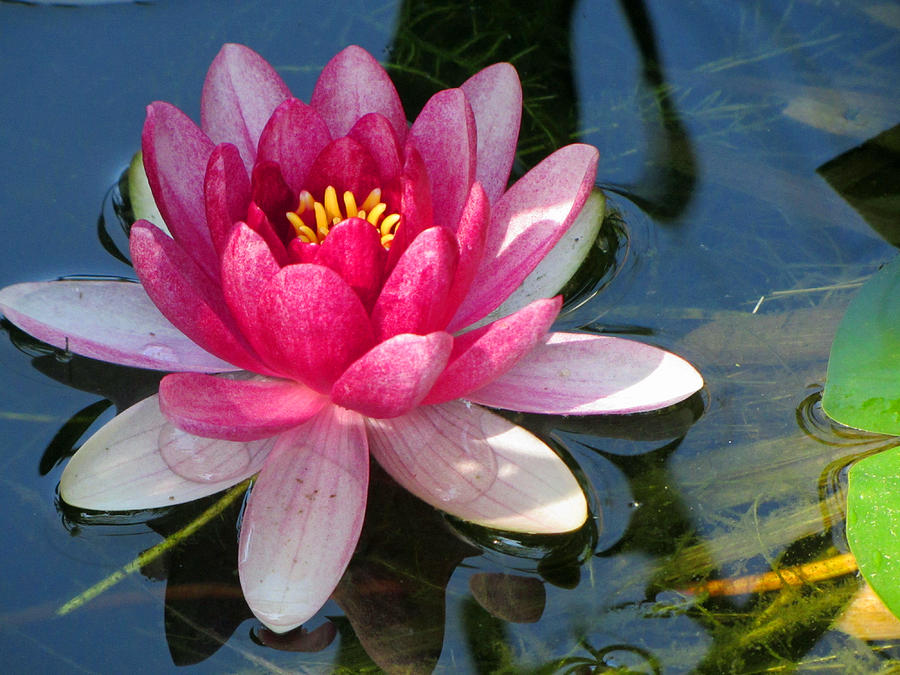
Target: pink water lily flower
(314,290)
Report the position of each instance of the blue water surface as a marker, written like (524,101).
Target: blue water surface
(733,251)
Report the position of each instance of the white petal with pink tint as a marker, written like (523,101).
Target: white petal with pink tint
(479,467)
(121,468)
(303,518)
(110,321)
(580,374)
(560,264)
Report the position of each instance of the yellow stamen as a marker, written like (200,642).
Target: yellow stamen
(375,213)
(296,221)
(387,225)
(306,202)
(321,220)
(307,235)
(350,204)
(332,210)
(373,199)
(327,214)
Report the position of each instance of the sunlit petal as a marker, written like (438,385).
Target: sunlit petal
(479,467)
(580,374)
(122,468)
(303,518)
(111,321)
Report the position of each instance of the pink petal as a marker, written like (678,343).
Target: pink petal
(121,467)
(111,321)
(274,197)
(314,324)
(480,467)
(236,409)
(187,297)
(176,154)
(227,193)
(353,84)
(259,223)
(376,135)
(579,374)
(293,137)
(561,262)
(415,205)
(495,95)
(484,354)
(353,249)
(240,93)
(471,234)
(527,221)
(444,134)
(303,518)
(247,267)
(345,165)
(413,298)
(394,376)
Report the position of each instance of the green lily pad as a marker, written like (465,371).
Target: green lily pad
(873,520)
(862,387)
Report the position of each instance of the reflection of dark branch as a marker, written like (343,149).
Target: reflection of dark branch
(868,177)
(116,202)
(668,185)
(62,445)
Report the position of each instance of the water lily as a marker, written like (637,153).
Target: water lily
(315,288)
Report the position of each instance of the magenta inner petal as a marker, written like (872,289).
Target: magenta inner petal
(415,204)
(236,409)
(293,138)
(413,299)
(483,354)
(313,324)
(525,224)
(227,193)
(176,153)
(247,267)
(345,165)
(471,234)
(187,297)
(353,249)
(274,197)
(394,376)
(376,135)
(259,223)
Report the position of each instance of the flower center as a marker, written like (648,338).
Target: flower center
(327,213)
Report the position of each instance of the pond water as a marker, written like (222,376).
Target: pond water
(729,241)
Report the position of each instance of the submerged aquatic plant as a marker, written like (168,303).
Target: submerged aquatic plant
(322,287)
